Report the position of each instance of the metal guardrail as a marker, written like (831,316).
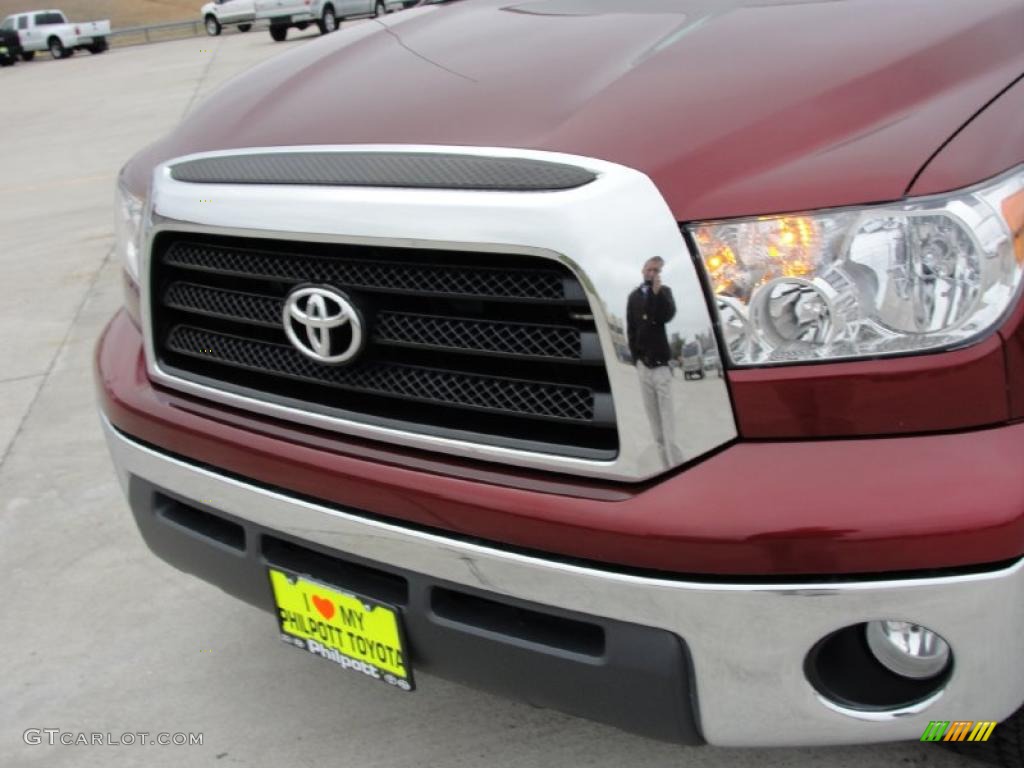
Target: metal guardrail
(171,30)
(174,30)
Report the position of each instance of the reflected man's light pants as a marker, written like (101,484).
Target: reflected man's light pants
(656,385)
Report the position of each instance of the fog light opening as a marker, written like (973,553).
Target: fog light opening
(902,665)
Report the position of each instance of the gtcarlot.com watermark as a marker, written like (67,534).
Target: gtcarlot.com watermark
(55,736)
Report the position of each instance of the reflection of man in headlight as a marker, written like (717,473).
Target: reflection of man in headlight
(649,309)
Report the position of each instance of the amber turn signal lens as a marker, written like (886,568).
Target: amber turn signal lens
(1013,212)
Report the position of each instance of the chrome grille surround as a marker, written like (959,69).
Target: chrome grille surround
(602,232)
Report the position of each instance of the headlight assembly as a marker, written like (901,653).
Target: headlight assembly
(128,229)
(128,213)
(922,274)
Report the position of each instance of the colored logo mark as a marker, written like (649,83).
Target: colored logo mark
(958,730)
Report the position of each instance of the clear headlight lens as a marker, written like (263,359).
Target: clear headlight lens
(128,229)
(926,273)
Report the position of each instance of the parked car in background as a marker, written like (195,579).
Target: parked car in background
(693,361)
(326,14)
(221,13)
(713,363)
(10,47)
(51,31)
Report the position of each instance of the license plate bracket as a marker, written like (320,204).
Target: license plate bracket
(358,633)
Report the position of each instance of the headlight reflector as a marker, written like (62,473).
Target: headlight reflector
(921,274)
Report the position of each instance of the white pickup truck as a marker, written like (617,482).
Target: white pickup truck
(326,14)
(221,13)
(51,31)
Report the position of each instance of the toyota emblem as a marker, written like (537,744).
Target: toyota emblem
(323,324)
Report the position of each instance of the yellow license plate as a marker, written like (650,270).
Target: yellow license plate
(356,633)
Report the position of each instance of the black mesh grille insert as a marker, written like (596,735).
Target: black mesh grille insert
(469,282)
(486,393)
(501,338)
(394,327)
(494,348)
(264,310)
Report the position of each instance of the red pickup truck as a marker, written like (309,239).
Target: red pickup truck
(400,359)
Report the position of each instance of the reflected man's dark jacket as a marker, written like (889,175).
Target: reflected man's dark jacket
(646,316)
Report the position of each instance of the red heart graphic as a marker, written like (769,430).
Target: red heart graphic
(325,606)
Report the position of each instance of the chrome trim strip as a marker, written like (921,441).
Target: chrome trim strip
(882,717)
(748,641)
(603,232)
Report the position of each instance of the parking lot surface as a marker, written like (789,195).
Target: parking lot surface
(101,637)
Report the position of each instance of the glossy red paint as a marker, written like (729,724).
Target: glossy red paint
(853,506)
(732,107)
(1013,336)
(926,393)
(1015,371)
(990,144)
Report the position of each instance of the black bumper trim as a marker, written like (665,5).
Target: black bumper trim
(637,678)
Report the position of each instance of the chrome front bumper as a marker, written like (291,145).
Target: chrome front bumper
(748,642)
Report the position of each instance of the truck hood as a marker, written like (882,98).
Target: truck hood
(732,107)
